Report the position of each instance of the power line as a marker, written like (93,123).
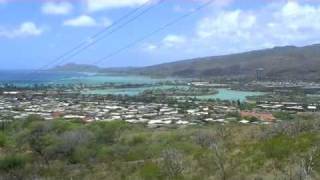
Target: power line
(133,43)
(100,36)
(171,23)
(97,34)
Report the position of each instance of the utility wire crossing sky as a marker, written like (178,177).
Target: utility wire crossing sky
(35,34)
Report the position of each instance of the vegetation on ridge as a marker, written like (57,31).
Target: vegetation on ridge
(279,63)
(38,149)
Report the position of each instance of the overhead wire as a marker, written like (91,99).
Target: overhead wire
(156,31)
(98,36)
(95,35)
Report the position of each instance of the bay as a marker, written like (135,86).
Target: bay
(30,78)
(223,93)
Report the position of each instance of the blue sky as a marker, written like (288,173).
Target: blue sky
(35,32)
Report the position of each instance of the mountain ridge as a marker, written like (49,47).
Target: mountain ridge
(278,63)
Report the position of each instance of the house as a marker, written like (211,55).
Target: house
(312,108)
(244,121)
(295,108)
(180,122)
(74,117)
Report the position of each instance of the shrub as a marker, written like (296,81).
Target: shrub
(278,147)
(81,155)
(61,126)
(283,115)
(108,132)
(150,171)
(137,139)
(74,144)
(3,140)
(12,162)
(32,118)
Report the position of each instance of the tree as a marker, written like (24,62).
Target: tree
(38,139)
(204,139)
(173,163)
(216,143)
(307,164)
(219,153)
(71,143)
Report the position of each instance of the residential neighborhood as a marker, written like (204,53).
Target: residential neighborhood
(166,113)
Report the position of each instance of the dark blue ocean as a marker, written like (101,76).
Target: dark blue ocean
(30,78)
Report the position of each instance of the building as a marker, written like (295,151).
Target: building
(259,74)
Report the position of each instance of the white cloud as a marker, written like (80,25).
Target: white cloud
(235,30)
(24,30)
(30,28)
(173,40)
(57,8)
(97,5)
(87,21)
(149,47)
(296,16)
(225,24)
(81,21)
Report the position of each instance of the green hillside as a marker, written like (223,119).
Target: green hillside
(279,63)
(284,63)
(59,149)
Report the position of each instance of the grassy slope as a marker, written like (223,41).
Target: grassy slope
(64,150)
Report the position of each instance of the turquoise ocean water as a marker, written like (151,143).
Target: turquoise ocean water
(30,78)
